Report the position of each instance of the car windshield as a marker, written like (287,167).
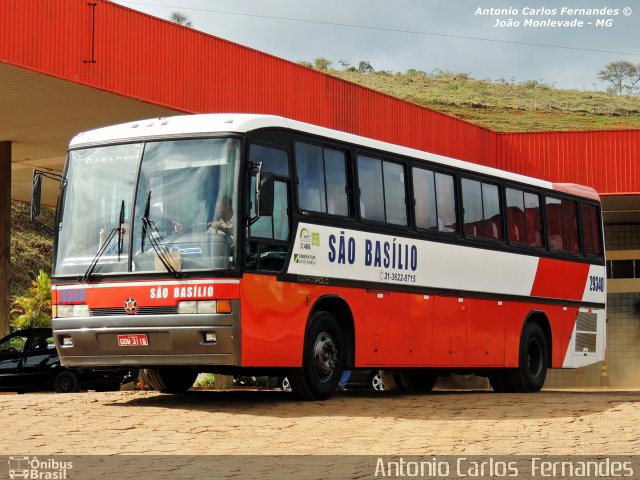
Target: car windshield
(184,211)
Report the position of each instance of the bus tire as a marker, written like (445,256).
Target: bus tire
(322,360)
(391,380)
(420,381)
(499,381)
(532,362)
(170,380)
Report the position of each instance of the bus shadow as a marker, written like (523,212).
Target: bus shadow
(436,405)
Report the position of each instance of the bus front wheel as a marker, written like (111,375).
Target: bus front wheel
(171,380)
(533,361)
(322,361)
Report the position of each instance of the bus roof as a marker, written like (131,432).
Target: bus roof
(204,124)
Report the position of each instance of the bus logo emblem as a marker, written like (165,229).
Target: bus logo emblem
(130,306)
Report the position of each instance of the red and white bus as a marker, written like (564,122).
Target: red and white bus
(250,243)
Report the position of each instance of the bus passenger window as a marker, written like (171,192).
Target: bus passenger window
(434,200)
(370,186)
(562,225)
(481,205)
(523,218)
(491,211)
(591,233)
(322,180)
(310,172)
(446,203)
(335,170)
(424,196)
(375,176)
(395,204)
(532,215)
(516,222)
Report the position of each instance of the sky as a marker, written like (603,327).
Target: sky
(429,35)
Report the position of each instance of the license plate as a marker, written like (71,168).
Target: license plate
(136,340)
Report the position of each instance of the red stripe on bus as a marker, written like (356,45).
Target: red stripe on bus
(560,279)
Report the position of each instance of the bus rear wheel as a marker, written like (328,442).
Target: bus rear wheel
(533,361)
(322,360)
(499,381)
(171,380)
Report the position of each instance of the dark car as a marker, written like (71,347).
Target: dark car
(29,362)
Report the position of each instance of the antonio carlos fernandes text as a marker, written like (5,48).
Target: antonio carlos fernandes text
(487,468)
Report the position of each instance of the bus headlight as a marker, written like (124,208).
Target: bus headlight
(67,311)
(208,306)
(188,307)
(205,306)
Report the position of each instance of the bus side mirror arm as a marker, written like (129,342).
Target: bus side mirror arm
(36,196)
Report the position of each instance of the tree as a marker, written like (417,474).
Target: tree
(180,18)
(322,63)
(365,67)
(34,308)
(623,76)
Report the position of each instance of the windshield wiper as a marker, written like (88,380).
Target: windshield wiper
(103,248)
(155,239)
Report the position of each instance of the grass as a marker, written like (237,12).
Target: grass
(31,249)
(506,106)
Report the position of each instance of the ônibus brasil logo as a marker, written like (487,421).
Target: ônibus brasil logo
(41,469)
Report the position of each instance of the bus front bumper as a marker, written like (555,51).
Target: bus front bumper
(155,340)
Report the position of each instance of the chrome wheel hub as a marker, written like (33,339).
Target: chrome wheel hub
(325,356)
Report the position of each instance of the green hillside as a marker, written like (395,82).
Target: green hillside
(31,249)
(505,105)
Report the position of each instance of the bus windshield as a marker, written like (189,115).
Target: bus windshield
(184,189)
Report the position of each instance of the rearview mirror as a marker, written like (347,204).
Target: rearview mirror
(265,195)
(36,194)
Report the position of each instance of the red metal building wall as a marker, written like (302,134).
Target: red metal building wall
(605,160)
(156,61)
(159,62)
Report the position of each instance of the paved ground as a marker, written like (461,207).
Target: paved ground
(250,422)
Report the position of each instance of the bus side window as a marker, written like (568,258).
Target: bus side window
(434,200)
(523,218)
(562,224)
(322,179)
(375,177)
(481,206)
(591,233)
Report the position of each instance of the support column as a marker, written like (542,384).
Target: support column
(5,236)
